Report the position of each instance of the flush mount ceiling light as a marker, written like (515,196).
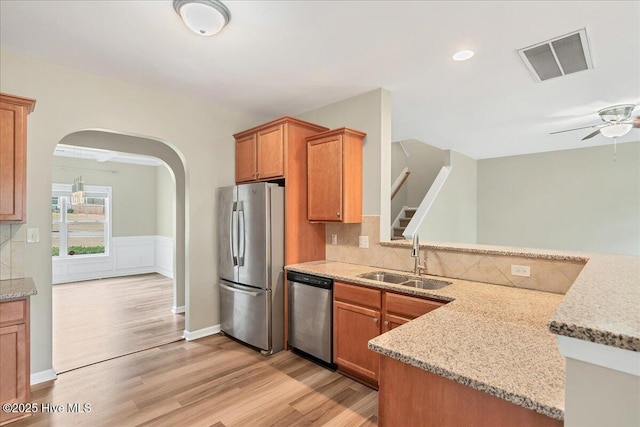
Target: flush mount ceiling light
(203,17)
(463,55)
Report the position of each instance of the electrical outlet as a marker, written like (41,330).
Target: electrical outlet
(363,242)
(33,235)
(334,239)
(521,270)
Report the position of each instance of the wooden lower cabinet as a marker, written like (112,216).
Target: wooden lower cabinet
(14,356)
(360,314)
(356,320)
(400,309)
(409,396)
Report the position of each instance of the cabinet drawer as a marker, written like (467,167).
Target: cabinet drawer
(13,311)
(410,307)
(357,294)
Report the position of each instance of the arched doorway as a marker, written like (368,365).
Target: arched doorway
(118,142)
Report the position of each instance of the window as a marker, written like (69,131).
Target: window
(80,229)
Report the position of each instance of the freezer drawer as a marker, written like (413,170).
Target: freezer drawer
(245,314)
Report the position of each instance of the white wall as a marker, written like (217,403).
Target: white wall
(452,217)
(69,100)
(572,199)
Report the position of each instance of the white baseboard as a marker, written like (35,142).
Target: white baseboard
(43,376)
(201,333)
(177,310)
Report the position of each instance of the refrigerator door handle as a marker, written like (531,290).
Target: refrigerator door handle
(234,235)
(242,236)
(240,291)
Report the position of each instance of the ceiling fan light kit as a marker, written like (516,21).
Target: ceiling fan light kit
(203,17)
(616,130)
(617,122)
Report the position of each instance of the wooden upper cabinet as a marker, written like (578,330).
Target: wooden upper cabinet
(334,160)
(13,156)
(273,150)
(270,149)
(246,159)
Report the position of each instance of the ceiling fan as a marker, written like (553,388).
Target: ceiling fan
(617,122)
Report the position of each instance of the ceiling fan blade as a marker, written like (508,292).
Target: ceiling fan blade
(584,127)
(591,135)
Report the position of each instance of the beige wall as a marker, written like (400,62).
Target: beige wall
(369,113)
(452,217)
(165,202)
(573,199)
(424,163)
(596,396)
(133,206)
(69,100)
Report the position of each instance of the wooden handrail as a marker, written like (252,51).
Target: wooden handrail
(404,179)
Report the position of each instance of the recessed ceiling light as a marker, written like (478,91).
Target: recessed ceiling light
(463,55)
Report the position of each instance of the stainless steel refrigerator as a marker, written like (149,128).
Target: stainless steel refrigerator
(251,263)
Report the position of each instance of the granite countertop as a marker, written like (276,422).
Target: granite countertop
(489,337)
(602,304)
(495,250)
(17,288)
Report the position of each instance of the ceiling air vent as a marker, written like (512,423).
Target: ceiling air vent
(558,57)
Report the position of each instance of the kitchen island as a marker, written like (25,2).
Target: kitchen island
(501,340)
(488,337)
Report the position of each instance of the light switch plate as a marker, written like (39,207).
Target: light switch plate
(334,239)
(33,235)
(363,242)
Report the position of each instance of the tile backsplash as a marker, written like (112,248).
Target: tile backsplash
(549,275)
(12,247)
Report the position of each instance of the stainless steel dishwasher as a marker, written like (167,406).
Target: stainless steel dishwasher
(311,316)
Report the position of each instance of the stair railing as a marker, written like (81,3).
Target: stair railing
(399,182)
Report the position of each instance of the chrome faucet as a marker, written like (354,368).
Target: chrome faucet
(415,253)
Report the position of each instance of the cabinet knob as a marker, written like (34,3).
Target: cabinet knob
(337,213)
(386,323)
(375,320)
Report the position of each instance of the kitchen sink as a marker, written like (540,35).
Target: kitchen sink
(426,283)
(399,279)
(382,276)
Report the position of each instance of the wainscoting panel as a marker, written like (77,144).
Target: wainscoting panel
(128,255)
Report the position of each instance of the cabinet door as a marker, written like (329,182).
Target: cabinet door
(271,152)
(392,321)
(354,326)
(324,157)
(12,161)
(246,159)
(13,358)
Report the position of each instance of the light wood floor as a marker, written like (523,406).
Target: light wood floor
(97,320)
(213,381)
